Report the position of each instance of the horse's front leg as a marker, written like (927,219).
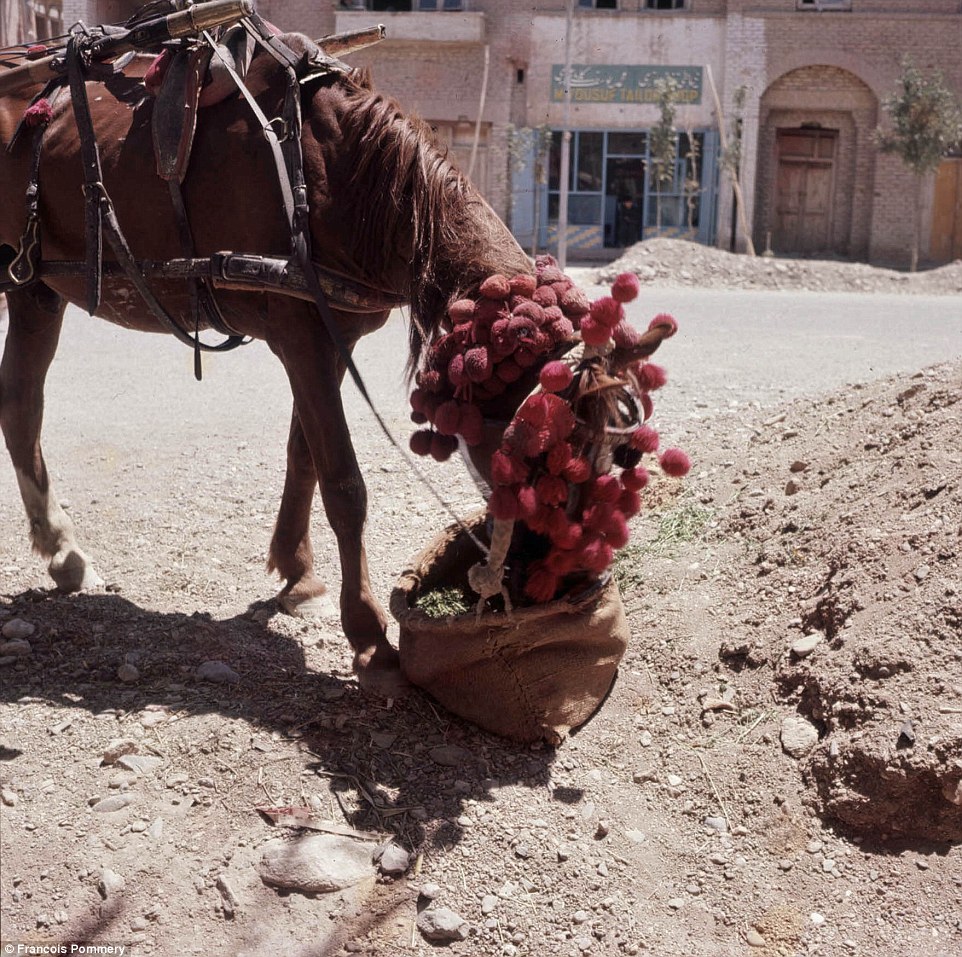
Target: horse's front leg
(312,368)
(36,316)
(292,554)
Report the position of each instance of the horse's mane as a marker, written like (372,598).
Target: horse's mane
(420,193)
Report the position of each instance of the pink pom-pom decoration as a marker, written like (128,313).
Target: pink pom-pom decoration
(477,364)
(495,287)
(507,469)
(462,311)
(39,113)
(555,376)
(456,374)
(607,311)
(675,463)
(645,439)
(442,446)
(575,303)
(635,479)
(606,489)
(522,285)
(594,333)
(650,376)
(448,418)
(626,287)
(624,335)
(663,319)
(545,296)
(420,443)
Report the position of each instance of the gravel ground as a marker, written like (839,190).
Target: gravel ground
(776,770)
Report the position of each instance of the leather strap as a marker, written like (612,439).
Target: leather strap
(90,159)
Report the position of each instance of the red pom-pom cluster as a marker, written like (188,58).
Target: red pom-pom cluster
(542,474)
(39,113)
(486,346)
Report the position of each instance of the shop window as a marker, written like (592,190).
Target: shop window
(665,4)
(599,4)
(823,4)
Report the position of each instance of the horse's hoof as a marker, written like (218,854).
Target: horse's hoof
(379,673)
(72,571)
(307,606)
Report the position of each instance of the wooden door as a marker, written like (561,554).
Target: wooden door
(804,189)
(946,242)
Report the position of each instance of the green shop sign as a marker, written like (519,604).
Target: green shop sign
(624,84)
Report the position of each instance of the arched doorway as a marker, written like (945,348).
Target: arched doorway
(816,164)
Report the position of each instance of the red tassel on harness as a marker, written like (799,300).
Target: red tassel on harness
(39,113)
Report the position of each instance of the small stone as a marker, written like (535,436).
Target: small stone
(429,891)
(798,736)
(217,672)
(798,466)
(563,854)
(488,903)
(17,629)
(128,673)
(676,903)
(318,864)
(803,647)
(8,797)
(18,648)
(156,830)
(828,865)
(140,763)
(636,837)
(753,938)
(792,487)
(813,847)
(602,831)
(116,803)
(816,918)
(717,824)
(394,861)
(442,924)
(922,572)
(674,780)
(110,882)
(580,916)
(522,851)
(117,749)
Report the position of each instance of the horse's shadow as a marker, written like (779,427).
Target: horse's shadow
(407,769)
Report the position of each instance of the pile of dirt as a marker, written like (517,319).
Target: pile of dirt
(677,262)
(852,506)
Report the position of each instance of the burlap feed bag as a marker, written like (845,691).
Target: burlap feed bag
(530,676)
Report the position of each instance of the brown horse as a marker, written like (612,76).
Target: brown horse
(387,209)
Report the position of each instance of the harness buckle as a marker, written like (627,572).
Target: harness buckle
(285,129)
(24,266)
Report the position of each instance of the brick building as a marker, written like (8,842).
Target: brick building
(813,73)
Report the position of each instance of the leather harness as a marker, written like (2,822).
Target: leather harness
(295,274)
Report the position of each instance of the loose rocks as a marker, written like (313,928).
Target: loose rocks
(318,864)
(442,924)
(798,736)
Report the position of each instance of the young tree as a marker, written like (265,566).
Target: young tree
(663,140)
(926,122)
(731,151)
